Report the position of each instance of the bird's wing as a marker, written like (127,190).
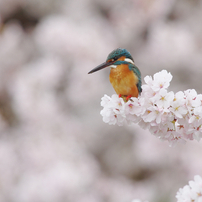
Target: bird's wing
(137,72)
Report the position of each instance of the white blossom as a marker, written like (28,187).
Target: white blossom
(161,80)
(172,117)
(191,192)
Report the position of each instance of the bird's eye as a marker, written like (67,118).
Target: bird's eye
(115,58)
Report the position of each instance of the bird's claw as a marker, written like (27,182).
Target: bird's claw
(125,97)
(128,97)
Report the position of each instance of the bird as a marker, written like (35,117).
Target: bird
(124,76)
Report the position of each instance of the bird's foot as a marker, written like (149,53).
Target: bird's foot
(128,97)
(125,97)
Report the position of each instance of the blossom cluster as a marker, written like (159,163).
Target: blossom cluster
(172,117)
(191,192)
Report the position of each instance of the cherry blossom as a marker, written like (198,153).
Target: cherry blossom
(191,192)
(172,117)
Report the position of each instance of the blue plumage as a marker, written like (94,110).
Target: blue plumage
(125,77)
(137,72)
(116,54)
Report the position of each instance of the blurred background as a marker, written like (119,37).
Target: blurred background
(54,145)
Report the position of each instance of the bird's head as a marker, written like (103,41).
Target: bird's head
(116,57)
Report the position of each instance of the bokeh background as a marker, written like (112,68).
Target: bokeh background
(54,145)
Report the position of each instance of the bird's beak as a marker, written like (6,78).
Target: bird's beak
(102,66)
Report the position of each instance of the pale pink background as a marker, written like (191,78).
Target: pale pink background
(54,146)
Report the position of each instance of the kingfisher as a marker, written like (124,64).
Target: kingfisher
(124,76)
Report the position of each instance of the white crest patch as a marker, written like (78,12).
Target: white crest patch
(129,60)
(113,66)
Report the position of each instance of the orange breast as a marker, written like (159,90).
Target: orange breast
(124,80)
